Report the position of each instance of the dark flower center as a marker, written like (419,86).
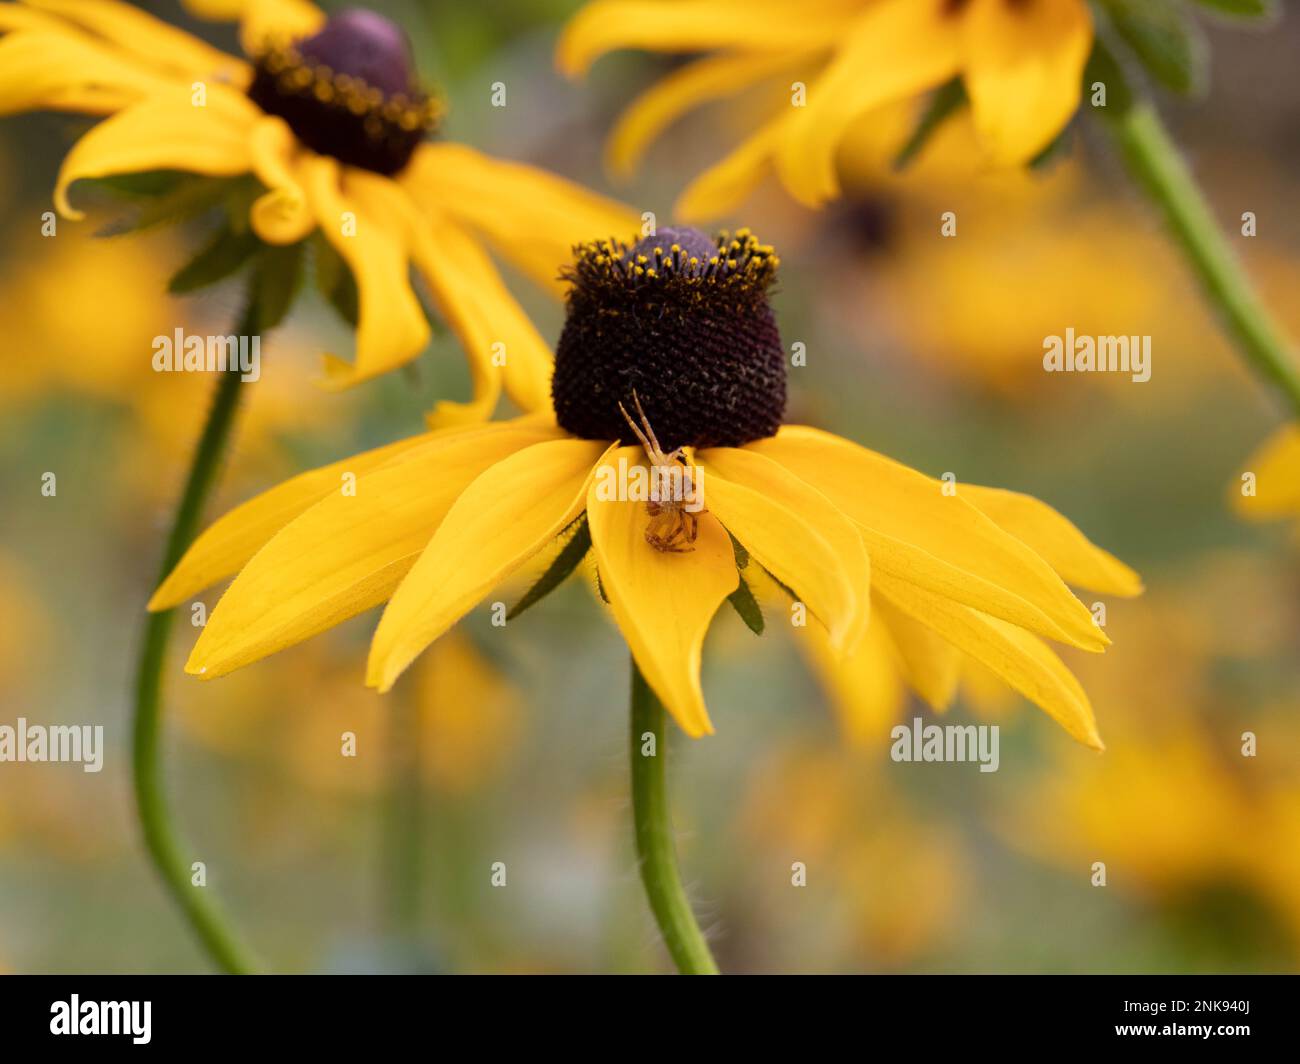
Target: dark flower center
(683,322)
(348,91)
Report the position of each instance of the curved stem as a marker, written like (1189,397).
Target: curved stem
(654,836)
(1158,166)
(160,836)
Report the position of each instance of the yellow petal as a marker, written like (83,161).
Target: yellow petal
(1022,660)
(711,78)
(692,26)
(42,69)
(281,215)
(931,665)
(865,687)
(1023,72)
(363,218)
(916,532)
(1276,467)
(796,534)
(501,341)
(663,603)
(507,515)
(164,132)
(347,552)
(531,218)
(230,541)
(151,41)
(262,21)
(896,49)
(1055,539)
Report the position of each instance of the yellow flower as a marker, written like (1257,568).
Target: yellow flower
(328,117)
(1269,486)
(678,329)
(1020,64)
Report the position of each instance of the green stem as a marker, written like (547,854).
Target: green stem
(654,837)
(1158,166)
(160,836)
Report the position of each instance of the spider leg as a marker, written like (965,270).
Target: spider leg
(635,429)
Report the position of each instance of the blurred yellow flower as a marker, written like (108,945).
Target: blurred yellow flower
(1269,485)
(468,719)
(327,115)
(1020,64)
(1175,812)
(886,883)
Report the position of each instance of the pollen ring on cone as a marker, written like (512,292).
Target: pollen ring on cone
(682,322)
(349,92)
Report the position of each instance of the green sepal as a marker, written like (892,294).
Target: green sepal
(1105,68)
(192,196)
(277,276)
(1248,9)
(335,281)
(569,558)
(144,185)
(944,102)
(222,256)
(738,549)
(1166,39)
(743,602)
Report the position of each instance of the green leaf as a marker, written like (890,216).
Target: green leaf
(945,102)
(743,602)
(1104,69)
(275,283)
(335,281)
(191,197)
(221,257)
(1054,151)
(1166,39)
(1243,8)
(565,562)
(738,549)
(145,184)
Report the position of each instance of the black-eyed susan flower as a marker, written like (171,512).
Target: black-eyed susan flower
(328,118)
(671,359)
(834,61)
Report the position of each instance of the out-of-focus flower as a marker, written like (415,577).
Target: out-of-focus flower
(887,882)
(1186,810)
(1269,486)
(1020,65)
(679,329)
(466,723)
(1177,815)
(328,116)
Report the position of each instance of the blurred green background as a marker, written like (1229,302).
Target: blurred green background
(509,744)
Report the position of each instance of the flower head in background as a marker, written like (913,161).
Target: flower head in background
(327,127)
(1020,65)
(1269,486)
(676,327)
